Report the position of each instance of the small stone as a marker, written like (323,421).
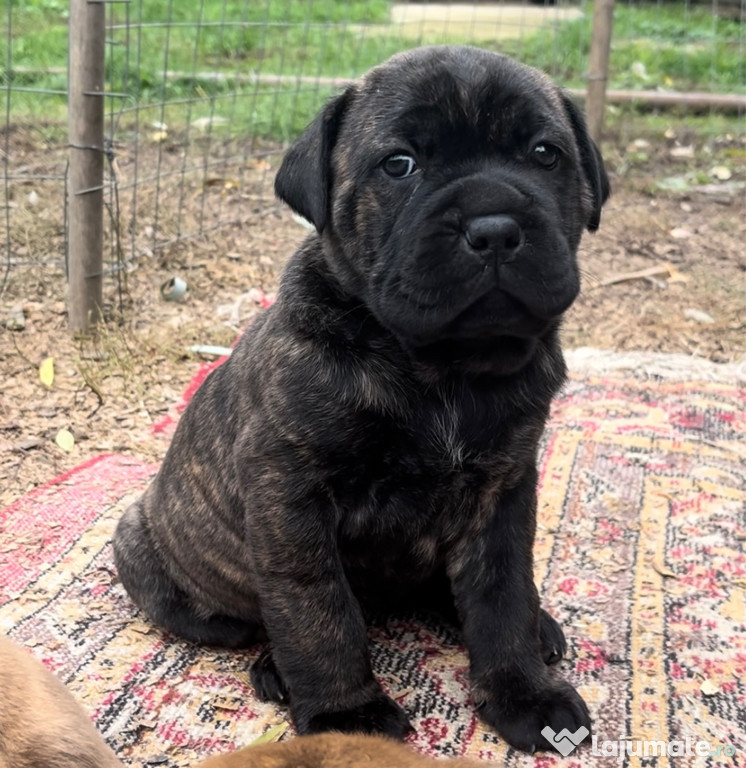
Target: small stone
(680,233)
(698,316)
(16,320)
(682,152)
(721,172)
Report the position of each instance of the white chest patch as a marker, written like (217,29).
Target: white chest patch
(445,436)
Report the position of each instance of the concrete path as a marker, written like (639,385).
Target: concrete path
(475,22)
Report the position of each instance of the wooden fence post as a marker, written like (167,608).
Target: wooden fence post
(86,58)
(598,66)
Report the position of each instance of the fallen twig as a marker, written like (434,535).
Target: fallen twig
(661,270)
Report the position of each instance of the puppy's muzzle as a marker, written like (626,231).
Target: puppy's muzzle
(496,237)
(479,258)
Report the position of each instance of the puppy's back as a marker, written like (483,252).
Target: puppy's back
(41,725)
(331,750)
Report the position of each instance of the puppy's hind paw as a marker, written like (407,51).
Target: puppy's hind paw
(380,715)
(265,678)
(551,638)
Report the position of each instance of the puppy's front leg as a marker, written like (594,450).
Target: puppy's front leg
(317,631)
(492,579)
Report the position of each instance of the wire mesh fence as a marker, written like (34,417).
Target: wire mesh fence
(201,97)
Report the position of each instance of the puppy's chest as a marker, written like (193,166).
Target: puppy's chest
(418,483)
(465,440)
(450,444)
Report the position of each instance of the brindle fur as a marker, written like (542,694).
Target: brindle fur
(372,440)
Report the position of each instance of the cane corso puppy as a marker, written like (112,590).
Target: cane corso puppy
(372,441)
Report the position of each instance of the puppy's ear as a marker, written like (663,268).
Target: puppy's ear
(304,178)
(592,162)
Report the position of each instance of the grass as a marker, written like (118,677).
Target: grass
(662,45)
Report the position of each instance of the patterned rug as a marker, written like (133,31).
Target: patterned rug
(640,556)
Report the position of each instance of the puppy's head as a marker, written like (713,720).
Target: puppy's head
(451,186)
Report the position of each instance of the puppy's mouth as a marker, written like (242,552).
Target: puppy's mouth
(425,317)
(495,334)
(498,314)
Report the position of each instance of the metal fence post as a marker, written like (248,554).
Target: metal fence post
(598,66)
(86,58)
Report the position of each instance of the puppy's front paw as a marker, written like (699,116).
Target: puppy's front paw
(522,719)
(379,715)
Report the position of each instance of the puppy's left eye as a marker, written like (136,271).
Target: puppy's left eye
(546,156)
(399,166)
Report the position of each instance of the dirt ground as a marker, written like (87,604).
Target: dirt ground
(666,272)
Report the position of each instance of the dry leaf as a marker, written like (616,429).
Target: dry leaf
(158,759)
(709,688)
(661,568)
(260,164)
(271,735)
(28,443)
(65,440)
(46,371)
(698,315)
(221,181)
(229,704)
(674,276)
(141,629)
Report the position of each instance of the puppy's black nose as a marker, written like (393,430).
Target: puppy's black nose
(500,236)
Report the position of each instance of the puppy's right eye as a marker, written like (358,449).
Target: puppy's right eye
(546,155)
(399,166)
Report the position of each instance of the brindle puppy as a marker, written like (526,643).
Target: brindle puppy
(372,440)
